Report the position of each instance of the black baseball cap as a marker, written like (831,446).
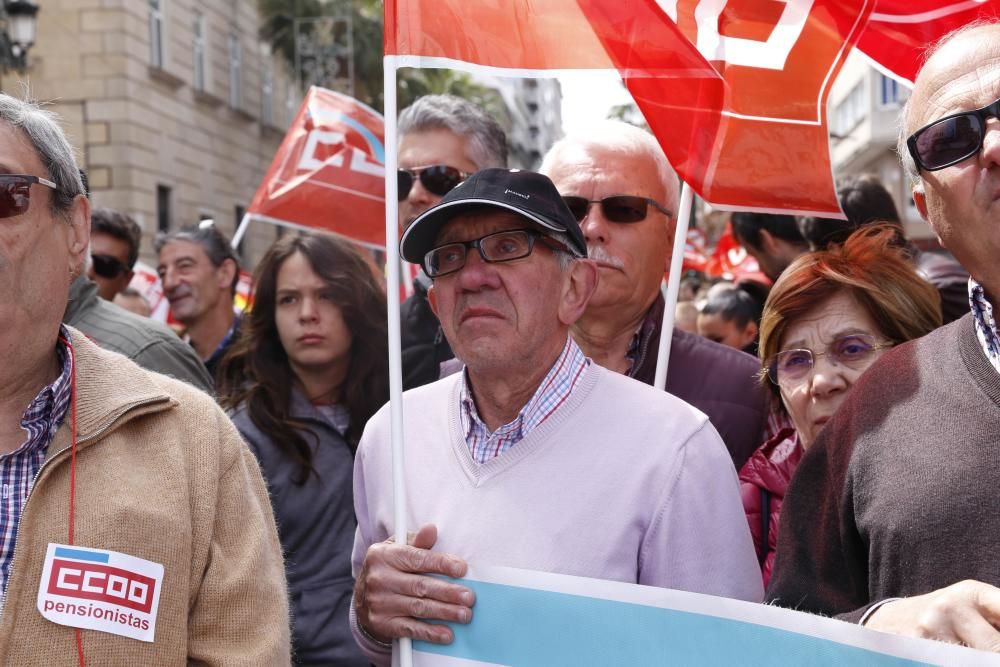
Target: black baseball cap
(526,193)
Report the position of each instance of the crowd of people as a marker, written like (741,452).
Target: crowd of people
(828,442)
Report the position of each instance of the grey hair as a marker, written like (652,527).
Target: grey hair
(211,239)
(42,129)
(565,258)
(909,166)
(487,140)
(619,137)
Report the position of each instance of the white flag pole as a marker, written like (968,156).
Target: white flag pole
(404,646)
(241,230)
(673,286)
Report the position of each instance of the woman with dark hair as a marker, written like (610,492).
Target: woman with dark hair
(829,317)
(308,370)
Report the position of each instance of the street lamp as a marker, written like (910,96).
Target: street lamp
(18,34)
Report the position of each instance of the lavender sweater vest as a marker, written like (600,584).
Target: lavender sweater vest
(622,482)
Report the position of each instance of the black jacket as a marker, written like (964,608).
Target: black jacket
(316,526)
(423,342)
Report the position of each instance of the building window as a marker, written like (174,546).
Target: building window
(888,91)
(266,85)
(851,110)
(163,208)
(156,33)
(235,72)
(200,52)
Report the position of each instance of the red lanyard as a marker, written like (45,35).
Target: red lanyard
(72,466)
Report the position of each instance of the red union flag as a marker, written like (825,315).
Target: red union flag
(329,171)
(751,131)
(735,91)
(900,31)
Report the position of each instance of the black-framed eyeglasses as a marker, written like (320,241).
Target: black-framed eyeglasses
(15,192)
(854,351)
(503,246)
(438,179)
(616,208)
(107,266)
(951,139)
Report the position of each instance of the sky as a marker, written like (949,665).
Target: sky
(588,96)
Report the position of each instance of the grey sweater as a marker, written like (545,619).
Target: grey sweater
(897,497)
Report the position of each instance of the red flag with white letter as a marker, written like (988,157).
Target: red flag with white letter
(899,32)
(329,171)
(734,90)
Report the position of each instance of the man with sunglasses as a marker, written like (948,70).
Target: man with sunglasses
(149,343)
(113,476)
(114,250)
(623,192)
(891,519)
(442,139)
(532,456)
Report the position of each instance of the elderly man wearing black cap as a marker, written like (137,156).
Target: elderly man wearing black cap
(533,456)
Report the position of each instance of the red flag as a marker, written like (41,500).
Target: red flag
(329,171)
(748,129)
(731,261)
(734,91)
(695,255)
(899,32)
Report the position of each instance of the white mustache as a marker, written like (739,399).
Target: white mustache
(599,254)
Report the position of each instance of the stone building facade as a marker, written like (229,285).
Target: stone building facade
(175,106)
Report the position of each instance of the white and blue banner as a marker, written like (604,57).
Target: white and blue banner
(527,619)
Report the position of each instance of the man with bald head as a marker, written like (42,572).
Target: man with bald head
(623,192)
(891,518)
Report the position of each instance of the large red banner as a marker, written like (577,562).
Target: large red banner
(735,91)
(329,171)
(899,32)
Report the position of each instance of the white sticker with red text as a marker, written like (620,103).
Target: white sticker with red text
(100,590)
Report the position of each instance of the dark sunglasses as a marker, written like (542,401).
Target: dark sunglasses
(616,208)
(951,139)
(438,179)
(107,266)
(15,193)
(498,247)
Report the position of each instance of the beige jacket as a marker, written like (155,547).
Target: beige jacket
(162,475)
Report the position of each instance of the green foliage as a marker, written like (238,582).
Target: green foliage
(278,29)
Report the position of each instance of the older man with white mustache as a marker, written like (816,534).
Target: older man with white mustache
(620,187)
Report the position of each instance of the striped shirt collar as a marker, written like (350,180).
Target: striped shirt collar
(985,323)
(553,391)
(18,468)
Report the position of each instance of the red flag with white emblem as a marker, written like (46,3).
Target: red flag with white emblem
(734,91)
(329,171)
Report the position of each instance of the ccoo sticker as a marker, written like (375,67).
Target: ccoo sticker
(100,590)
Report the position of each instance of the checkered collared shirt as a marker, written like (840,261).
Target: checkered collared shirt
(551,393)
(19,468)
(986,325)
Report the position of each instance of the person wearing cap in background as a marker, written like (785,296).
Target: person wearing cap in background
(200,271)
(533,456)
